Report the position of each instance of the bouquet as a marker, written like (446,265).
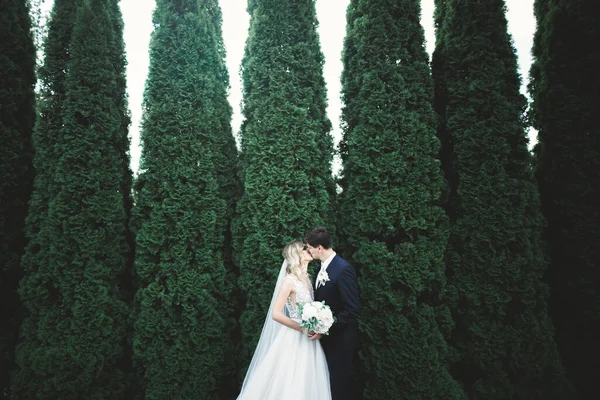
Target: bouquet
(316,316)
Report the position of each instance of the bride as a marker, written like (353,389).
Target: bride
(286,363)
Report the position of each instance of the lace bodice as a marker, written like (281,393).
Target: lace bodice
(302,293)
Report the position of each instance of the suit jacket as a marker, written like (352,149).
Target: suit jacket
(340,293)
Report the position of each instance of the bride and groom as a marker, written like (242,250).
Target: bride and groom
(290,363)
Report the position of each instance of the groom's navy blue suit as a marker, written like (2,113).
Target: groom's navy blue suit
(341,294)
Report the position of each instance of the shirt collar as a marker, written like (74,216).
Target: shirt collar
(326,263)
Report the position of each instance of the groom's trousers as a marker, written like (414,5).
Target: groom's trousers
(342,373)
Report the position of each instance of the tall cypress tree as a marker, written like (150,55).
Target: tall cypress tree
(17,116)
(183,302)
(38,279)
(565,87)
(286,149)
(225,164)
(495,258)
(74,338)
(389,208)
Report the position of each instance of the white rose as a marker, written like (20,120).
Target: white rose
(308,311)
(326,313)
(326,317)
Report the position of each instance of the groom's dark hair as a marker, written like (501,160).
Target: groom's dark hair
(318,236)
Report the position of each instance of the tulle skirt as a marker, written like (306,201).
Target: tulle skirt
(295,368)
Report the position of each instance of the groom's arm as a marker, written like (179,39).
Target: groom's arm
(348,289)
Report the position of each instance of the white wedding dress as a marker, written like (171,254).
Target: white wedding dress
(287,365)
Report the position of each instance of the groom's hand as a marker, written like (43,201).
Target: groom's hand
(314,336)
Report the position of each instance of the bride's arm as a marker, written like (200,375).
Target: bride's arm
(278,315)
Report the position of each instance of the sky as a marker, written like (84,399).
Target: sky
(137,16)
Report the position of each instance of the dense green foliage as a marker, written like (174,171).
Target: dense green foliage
(74,335)
(17,116)
(38,278)
(565,89)
(184,301)
(460,277)
(495,259)
(286,149)
(390,215)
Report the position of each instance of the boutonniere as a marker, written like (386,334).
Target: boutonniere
(322,278)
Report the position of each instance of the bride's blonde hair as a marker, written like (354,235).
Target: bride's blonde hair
(293,255)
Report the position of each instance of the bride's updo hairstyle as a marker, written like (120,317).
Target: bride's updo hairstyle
(293,255)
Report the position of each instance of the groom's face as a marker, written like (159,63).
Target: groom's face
(315,252)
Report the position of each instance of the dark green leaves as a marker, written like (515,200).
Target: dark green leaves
(186,192)
(389,209)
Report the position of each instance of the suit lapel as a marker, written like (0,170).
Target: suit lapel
(333,263)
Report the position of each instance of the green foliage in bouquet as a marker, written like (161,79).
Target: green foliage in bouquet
(389,211)
(565,87)
(74,336)
(504,340)
(286,149)
(184,198)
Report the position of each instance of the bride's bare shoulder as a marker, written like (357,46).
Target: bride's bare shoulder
(291,278)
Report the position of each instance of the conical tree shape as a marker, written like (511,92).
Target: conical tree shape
(38,278)
(389,208)
(286,149)
(184,295)
(17,116)
(74,337)
(495,258)
(565,88)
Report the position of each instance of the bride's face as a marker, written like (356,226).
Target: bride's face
(306,256)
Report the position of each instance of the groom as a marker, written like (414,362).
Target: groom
(336,285)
